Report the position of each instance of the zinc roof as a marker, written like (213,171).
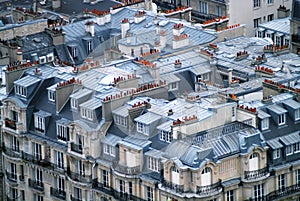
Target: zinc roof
(278,25)
(274,144)
(262,114)
(27,81)
(111,139)
(292,103)
(277,109)
(170,78)
(291,139)
(121,111)
(92,104)
(81,93)
(147,118)
(165,126)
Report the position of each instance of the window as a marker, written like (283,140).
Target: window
(13,171)
(74,103)
(86,114)
(281,119)
(14,115)
(149,194)
(298,177)
(105,178)
(122,187)
(270,17)
(203,7)
(230,195)
(265,124)
(173,86)
(153,164)
(39,177)
(219,11)
(256,22)
(281,182)
(260,34)
(37,151)
(233,111)
(256,3)
(13,194)
(38,197)
(89,46)
(289,150)
(61,184)
(15,144)
(258,192)
(121,120)
(287,42)
(80,141)
(81,168)
(22,194)
(60,159)
(296,147)
(51,95)
(77,194)
(21,172)
(19,90)
(39,123)
(166,136)
(74,52)
(276,154)
(278,40)
(297,114)
(142,128)
(109,150)
(62,132)
(270,1)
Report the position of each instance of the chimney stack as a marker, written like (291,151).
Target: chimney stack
(229,76)
(90,27)
(125,27)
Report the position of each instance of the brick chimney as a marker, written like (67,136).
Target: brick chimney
(125,26)
(19,54)
(90,28)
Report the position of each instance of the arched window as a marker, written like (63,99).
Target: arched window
(254,162)
(175,175)
(206,176)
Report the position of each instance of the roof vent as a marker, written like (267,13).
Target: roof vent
(170,112)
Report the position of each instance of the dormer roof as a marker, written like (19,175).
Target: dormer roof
(27,81)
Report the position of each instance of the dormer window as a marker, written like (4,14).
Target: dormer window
(122,121)
(109,150)
(74,52)
(89,46)
(166,136)
(265,124)
(276,154)
(74,103)
(86,114)
(19,90)
(281,119)
(62,130)
(153,164)
(289,150)
(297,114)
(296,147)
(40,120)
(146,123)
(142,128)
(51,93)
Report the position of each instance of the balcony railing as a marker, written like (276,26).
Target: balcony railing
(38,185)
(76,148)
(75,198)
(21,178)
(10,123)
(116,194)
(11,176)
(256,174)
(11,199)
(279,194)
(37,159)
(177,188)
(79,177)
(209,189)
(58,193)
(126,170)
(11,152)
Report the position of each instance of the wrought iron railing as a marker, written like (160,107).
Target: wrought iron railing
(126,170)
(11,152)
(38,185)
(177,188)
(58,193)
(9,123)
(256,174)
(209,188)
(80,177)
(11,176)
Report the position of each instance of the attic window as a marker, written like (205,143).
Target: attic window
(142,128)
(51,96)
(166,136)
(74,52)
(265,124)
(297,114)
(89,46)
(74,103)
(39,123)
(19,90)
(281,119)
(86,114)
(153,164)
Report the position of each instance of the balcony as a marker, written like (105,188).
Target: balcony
(79,177)
(175,187)
(75,198)
(209,189)
(36,159)
(11,152)
(116,194)
(37,185)
(256,174)
(58,193)
(126,170)
(9,123)
(11,199)
(11,176)
(76,148)
(279,194)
